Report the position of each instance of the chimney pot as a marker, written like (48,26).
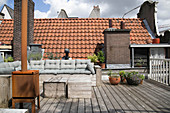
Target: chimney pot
(122,25)
(110,23)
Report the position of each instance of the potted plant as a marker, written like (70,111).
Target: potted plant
(122,76)
(140,62)
(101,59)
(93,58)
(113,78)
(142,77)
(133,78)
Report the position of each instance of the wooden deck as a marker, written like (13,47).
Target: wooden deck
(107,98)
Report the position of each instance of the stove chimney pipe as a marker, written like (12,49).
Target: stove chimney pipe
(24,35)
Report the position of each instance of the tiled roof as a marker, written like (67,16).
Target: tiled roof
(80,35)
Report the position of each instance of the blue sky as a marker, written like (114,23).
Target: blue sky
(39,5)
(82,8)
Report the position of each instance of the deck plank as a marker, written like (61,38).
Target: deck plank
(132,99)
(74,106)
(67,106)
(107,101)
(60,106)
(113,100)
(118,99)
(46,106)
(53,106)
(102,105)
(130,104)
(144,98)
(81,106)
(155,101)
(95,104)
(88,105)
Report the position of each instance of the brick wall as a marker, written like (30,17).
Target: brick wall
(17,27)
(117,46)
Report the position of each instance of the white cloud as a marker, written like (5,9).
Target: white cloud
(2,2)
(109,8)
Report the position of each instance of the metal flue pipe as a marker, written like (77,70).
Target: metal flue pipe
(24,35)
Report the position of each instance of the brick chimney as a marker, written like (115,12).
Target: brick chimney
(17,27)
(116,45)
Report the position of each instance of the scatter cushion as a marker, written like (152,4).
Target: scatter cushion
(90,67)
(52,64)
(67,64)
(82,64)
(36,64)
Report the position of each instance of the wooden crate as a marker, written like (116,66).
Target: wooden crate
(55,87)
(80,87)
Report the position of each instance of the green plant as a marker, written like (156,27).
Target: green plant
(134,78)
(35,56)
(93,58)
(122,75)
(121,72)
(52,56)
(9,59)
(100,56)
(140,62)
(111,74)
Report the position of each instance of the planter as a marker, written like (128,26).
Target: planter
(133,82)
(156,41)
(102,65)
(114,80)
(141,82)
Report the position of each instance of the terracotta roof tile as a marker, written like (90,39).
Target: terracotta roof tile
(80,35)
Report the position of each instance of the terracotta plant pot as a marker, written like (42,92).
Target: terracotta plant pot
(149,41)
(156,41)
(102,65)
(114,80)
(141,82)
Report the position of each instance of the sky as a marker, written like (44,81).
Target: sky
(82,8)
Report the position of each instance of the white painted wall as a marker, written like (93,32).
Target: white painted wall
(7,15)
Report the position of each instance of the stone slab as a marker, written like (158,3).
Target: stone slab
(14,110)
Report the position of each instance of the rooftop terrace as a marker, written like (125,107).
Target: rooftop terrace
(149,97)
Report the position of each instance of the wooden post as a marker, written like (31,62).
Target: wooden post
(24,35)
(133,57)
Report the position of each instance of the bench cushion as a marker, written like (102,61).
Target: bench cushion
(8,70)
(15,64)
(82,64)
(66,71)
(37,64)
(4,65)
(52,64)
(82,71)
(67,64)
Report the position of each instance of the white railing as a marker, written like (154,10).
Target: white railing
(160,70)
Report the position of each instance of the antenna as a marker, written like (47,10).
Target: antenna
(130,11)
